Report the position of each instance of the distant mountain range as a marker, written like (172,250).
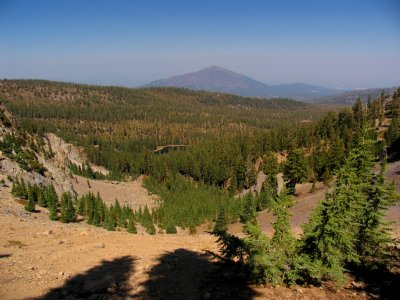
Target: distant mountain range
(350,97)
(217,79)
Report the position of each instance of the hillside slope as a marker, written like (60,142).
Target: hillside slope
(50,260)
(46,159)
(117,126)
(350,97)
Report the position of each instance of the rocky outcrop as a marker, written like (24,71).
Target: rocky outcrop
(11,168)
(256,188)
(261,178)
(66,153)
(55,173)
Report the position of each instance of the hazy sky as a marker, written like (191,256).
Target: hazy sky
(341,43)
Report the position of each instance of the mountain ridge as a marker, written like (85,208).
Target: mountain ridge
(350,97)
(218,79)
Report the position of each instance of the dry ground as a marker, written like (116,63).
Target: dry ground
(130,192)
(43,259)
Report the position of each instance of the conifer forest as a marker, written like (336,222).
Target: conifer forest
(198,151)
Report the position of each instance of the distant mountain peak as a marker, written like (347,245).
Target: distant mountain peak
(218,79)
(214,67)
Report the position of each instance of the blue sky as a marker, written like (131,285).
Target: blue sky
(345,44)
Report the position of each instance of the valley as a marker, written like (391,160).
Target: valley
(254,167)
(205,150)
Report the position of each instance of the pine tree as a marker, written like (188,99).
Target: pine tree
(328,240)
(109,222)
(80,207)
(170,229)
(131,225)
(90,203)
(52,202)
(120,216)
(221,224)
(266,260)
(249,213)
(273,260)
(30,206)
(146,220)
(150,229)
(100,207)
(257,249)
(283,237)
(68,213)
(295,170)
(22,191)
(350,214)
(41,199)
(53,215)
(359,115)
(15,187)
(96,218)
(373,236)
(266,196)
(393,132)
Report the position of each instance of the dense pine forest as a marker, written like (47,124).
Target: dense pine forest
(213,147)
(118,127)
(225,140)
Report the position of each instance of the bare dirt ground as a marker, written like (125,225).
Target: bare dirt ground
(43,259)
(130,192)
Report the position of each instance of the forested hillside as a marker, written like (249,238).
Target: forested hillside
(226,140)
(118,125)
(220,145)
(350,97)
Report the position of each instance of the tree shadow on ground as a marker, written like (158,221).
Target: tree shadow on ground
(383,281)
(108,280)
(394,151)
(185,274)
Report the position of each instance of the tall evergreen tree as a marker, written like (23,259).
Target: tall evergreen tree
(30,206)
(273,260)
(295,170)
(22,191)
(221,224)
(249,213)
(131,225)
(359,115)
(41,199)
(68,213)
(109,220)
(15,187)
(373,236)
(347,225)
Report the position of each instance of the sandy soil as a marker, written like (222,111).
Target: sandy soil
(43,259)
(131,192)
